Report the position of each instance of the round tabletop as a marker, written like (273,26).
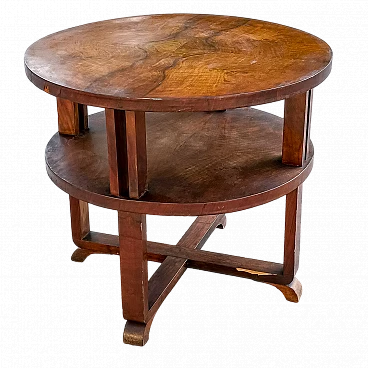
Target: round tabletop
(176,62)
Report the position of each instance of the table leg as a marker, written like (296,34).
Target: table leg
(79,216)
(126,142)
(297,119)
(134,275)
(72,117)
(292,292)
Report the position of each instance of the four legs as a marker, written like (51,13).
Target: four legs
(141,297)
(138,296)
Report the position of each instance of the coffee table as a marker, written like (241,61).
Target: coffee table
(177,138)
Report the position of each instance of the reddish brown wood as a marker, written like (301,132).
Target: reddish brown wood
(99,243)
(136,153)
(136,333)
(292,292)
(96,241)
(83,117)
(126,146)
(308,128)
(133,265)
(240,264)
(176,62)
(117,151)
(172,268)
(72,117)
(198,163)
(103,243)
(79,215)
(195,163)
(296,129)
(231,271)
(292,233)
(80,255)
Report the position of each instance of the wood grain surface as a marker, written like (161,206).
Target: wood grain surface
(126,142)
(198,163)
(72,117)
(176,62)
(133,265)
(297,121)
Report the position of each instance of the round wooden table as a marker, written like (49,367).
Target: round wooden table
(177,137)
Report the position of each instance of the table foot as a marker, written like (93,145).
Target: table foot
(136,333)
(292,292)
(80,255)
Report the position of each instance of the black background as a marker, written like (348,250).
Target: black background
(79,304)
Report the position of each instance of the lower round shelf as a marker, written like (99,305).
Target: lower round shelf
(198,163)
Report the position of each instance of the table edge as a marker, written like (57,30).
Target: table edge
(171,104)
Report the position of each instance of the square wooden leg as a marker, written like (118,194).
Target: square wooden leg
(292,288)
(133,266)
(72,117)
(297,119)
(126,142)
(79,216)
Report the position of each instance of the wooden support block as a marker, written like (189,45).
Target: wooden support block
(297,117)
(72,117)
(126,140)
(133,265)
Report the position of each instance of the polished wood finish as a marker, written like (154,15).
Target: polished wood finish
(172,268)
(117,151)
(79,215)
(136,333)
(308,126)
(293,214)
(241,264)
(246,273)
(297,117)
(189,160)
(177,62)
(136,153)
(198,163)
(292,292)
(108,244)
(164,278)
(127,156)
(133,265)
(80,255)
(72,117)
(168,274)
(257,270)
